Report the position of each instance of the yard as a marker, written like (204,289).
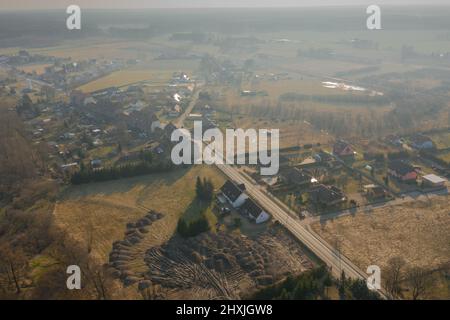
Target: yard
(416,232)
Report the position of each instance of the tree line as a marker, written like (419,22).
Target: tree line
(86,175)
(192,228)
(204,189)
(336,99)
(313,285)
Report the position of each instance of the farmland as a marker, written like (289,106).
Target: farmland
(154,75)
(35,68)
(113,204)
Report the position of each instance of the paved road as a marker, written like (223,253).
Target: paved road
(334,259)
(179,122)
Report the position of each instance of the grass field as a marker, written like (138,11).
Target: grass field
(93,48)
(417,232)
(125,77)
(155,74)
(38,68)
(442,140)
(111,205)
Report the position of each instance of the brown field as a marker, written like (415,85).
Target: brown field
(417,231)
(38,68)
(122,78)
(292,133)
(276,88)
(111,205)
(90,49)
(155,74)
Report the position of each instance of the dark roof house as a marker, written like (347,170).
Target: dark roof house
(327,195)
(420,141)
(254,211)
(296,176)
(402,170)
(342,148)
(233,192)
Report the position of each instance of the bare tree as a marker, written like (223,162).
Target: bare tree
(393,276)
(419,281)
(12,265)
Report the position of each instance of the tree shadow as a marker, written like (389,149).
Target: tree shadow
(122,185)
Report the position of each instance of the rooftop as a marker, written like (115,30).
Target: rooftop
(434,178)
(232,190)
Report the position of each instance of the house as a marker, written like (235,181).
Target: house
(322,156)
(254,211)
(89,101)
(159,149)
(374,191)
(234,193)
(394,140)
(342,149)
(297,176)
(402,170)
(327,195)
(421,142)
(433,181)
(308,162)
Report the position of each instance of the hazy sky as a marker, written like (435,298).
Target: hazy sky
(114,4)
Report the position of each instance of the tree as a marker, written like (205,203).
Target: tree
(48,92)
(182,227)
(204,189)
(12,265)
(393,276)
(359,291)
(419,281)
(198,187)
(342,284)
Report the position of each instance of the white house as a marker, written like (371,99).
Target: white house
(433,181)
(254,211)
(234,193)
